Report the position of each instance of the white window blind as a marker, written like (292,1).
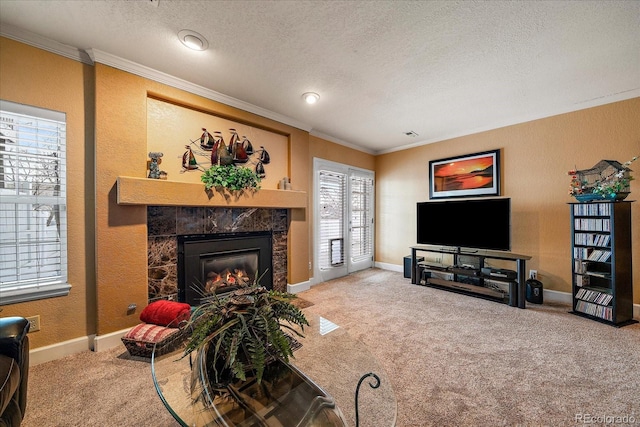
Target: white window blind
(361,218)
(332,195)
(33,214)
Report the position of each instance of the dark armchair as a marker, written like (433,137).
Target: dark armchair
(14,369)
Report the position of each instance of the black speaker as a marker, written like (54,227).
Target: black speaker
(408,266)
(534,291)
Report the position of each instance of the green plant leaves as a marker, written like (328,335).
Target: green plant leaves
(245,329)
(231,177)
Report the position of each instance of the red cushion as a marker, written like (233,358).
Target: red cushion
(165,313)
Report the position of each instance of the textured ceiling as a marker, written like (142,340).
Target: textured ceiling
(438,68)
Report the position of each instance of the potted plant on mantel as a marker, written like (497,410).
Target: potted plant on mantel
(230,177)
(244,330)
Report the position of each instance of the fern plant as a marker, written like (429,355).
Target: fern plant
(244,330)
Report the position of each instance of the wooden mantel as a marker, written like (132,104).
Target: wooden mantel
(157,192)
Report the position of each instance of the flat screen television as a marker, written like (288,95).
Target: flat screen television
(478,223)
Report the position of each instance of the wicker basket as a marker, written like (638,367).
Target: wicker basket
(141,339)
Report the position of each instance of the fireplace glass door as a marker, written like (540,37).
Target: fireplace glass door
(226,271)
(210,265)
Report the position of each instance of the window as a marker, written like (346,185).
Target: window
(33,214)
(361,217)
(332,195)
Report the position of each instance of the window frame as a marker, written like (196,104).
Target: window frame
(22,290)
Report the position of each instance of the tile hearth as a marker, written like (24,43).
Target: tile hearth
(166,223)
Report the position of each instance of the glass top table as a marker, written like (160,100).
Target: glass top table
(323,379)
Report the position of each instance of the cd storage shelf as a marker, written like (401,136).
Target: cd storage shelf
(602,286)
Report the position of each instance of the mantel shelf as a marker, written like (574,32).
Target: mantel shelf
(156,192)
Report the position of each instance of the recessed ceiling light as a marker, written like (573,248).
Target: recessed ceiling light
(193,40)
(310,97)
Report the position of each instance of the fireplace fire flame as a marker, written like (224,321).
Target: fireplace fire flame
(221,282)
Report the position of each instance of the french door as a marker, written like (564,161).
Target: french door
(343,219)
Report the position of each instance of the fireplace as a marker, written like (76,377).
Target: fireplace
(168,223)
(215,264)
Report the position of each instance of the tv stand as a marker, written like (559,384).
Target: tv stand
(517,287)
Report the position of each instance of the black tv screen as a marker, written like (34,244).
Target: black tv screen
(478,223)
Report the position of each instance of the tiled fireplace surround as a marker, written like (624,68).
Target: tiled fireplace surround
(166,223)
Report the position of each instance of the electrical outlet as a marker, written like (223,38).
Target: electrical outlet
(34,322)
(533,274)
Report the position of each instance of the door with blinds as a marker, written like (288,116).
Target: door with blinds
(343,219)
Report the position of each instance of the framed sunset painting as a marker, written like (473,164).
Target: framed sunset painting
(465,176)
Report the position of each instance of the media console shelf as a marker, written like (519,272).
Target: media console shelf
(517,290)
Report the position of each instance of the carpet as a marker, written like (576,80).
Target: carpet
(456,360)
(452,360)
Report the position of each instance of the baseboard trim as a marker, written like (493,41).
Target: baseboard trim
(299,287)
(390,267)
(66,348)
(59,350)
(556,296)
(110,340)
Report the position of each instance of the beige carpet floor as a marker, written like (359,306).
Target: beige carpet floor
(453,360)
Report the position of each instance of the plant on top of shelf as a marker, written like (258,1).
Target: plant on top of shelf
(230,177)
(608,179)
(616,183)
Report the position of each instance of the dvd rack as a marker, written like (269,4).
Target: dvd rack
(601,266)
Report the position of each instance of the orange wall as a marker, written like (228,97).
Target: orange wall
(323,149)
(121,150)
(536,157)
(35,77)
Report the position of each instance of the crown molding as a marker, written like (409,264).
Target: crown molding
(35,40)
(341,142)
(91,56)
(570,108)
(169,80)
